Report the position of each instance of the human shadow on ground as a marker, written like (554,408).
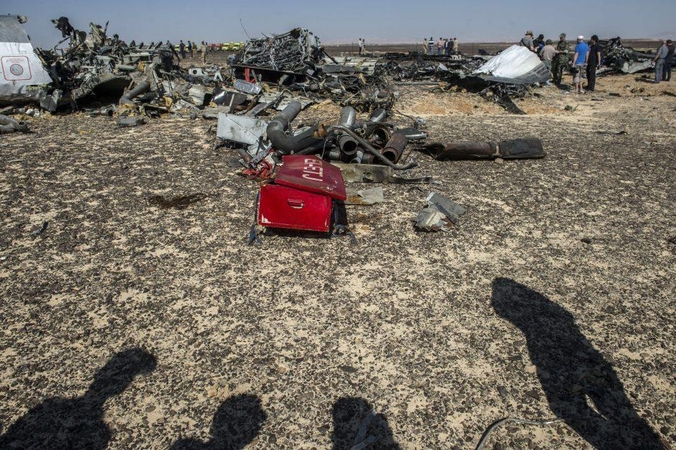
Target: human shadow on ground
(236,424)
(581,386)
(356,426)
(63,423)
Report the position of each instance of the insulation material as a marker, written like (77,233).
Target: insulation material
(515,65)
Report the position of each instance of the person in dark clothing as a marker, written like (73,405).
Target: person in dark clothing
(538,44)
(64,26)
(668,61)
(593,62)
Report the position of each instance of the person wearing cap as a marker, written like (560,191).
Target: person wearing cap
(659,59)
(580,62)
(560,62)
(527,41)
(593,62)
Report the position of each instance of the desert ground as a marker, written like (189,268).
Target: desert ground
(129,325)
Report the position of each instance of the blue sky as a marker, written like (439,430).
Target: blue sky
(344,21)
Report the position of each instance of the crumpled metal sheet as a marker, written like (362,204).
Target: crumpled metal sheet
(515,65)
(365,197)
(440,214)
(624,59)
(22,72)
(242,129)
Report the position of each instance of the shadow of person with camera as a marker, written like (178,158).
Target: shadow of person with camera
(236,424)
(581,386)
(63,423)
(356,426)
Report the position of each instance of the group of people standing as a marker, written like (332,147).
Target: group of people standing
(190,49)
(586,58)
(442,46)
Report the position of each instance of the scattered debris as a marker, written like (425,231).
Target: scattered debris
(40,230)
(296,61)
(374,173)
(512,149)
(365,197)
(613,133)
(10,125)
(439,214)
(350,140)
(304,196)
(131,121)
(618,58)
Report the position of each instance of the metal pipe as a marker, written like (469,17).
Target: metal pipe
(283,142)
(511,149)
(395,146)
(348,116)
(368,147)
(379,136)
(378,115)
(347,144)
(358,157)
(470,150)
(127,98)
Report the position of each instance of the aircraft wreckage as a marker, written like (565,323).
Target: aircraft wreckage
(148,80)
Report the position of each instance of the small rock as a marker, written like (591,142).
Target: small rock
(534,394)
(503,391)
(348,369)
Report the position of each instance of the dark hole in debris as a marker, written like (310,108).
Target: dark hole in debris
(180,202)
(586,240)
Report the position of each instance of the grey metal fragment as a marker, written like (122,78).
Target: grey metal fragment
(440,214)
(131,121)
(375,173)
(241,129)
(365,197)
(246,87)
(451,209)
(10,125)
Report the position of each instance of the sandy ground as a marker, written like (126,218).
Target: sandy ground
(128,325)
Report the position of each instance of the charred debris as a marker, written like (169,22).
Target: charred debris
(256,99)
(88,69)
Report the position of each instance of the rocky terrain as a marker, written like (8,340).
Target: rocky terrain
(129,322)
